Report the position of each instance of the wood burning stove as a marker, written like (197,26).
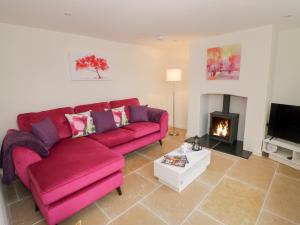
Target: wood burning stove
(224,125)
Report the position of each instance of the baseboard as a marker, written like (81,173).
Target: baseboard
(180,126)
(256,153)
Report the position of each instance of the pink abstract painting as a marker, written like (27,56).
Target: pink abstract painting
(223,63)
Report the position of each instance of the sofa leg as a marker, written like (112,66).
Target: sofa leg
(36,208)
(119,190)
(160,142)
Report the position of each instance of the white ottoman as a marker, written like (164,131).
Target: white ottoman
(179,178)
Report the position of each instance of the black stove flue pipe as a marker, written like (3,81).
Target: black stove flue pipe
(226,104)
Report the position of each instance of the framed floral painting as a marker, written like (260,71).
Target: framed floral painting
(90,66)
(223,63)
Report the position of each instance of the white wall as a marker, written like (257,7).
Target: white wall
(256,60)
(286,86)
(34,73)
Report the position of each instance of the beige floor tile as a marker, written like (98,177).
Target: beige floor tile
(155,151)
(21,189)
(216,170)
(135,187)
(9,193)
(88,216)
(148,172)
(180,138)
(231,201)
(199,218)
(23,212)
(225,155)
(42,222)
(138,215)
(257,171)
(172,206)
(234,203)
(270,219)
(284,198)
(288,171)
(134,161)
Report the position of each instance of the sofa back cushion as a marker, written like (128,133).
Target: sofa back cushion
(126,103)
(95,107)
(57,116)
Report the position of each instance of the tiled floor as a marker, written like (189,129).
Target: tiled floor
(231,191)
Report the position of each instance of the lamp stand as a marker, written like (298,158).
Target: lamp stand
(173,132)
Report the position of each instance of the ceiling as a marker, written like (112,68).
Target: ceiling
(142,21)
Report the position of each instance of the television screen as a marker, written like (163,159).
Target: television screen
(284,122)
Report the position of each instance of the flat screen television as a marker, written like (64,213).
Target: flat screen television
(284,122)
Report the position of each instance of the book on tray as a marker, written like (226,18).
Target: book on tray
(175,160)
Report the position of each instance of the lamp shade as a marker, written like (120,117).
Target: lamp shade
(173,75)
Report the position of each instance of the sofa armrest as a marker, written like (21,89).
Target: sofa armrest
(159,116)
(22,158)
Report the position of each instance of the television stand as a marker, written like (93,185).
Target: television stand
(287,152)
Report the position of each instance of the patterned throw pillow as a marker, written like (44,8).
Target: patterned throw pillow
(81,124)
(119,116)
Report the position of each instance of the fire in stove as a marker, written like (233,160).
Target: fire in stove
(222,129)
(224,125)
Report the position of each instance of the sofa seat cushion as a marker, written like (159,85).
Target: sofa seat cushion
(72,165)
(114,137)
(141,129)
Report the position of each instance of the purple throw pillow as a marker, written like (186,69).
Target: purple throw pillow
(46,131)
(138,113)
(104,121)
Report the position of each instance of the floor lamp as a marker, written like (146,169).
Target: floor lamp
(173,75)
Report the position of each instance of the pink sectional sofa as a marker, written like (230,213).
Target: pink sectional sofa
(81,170)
